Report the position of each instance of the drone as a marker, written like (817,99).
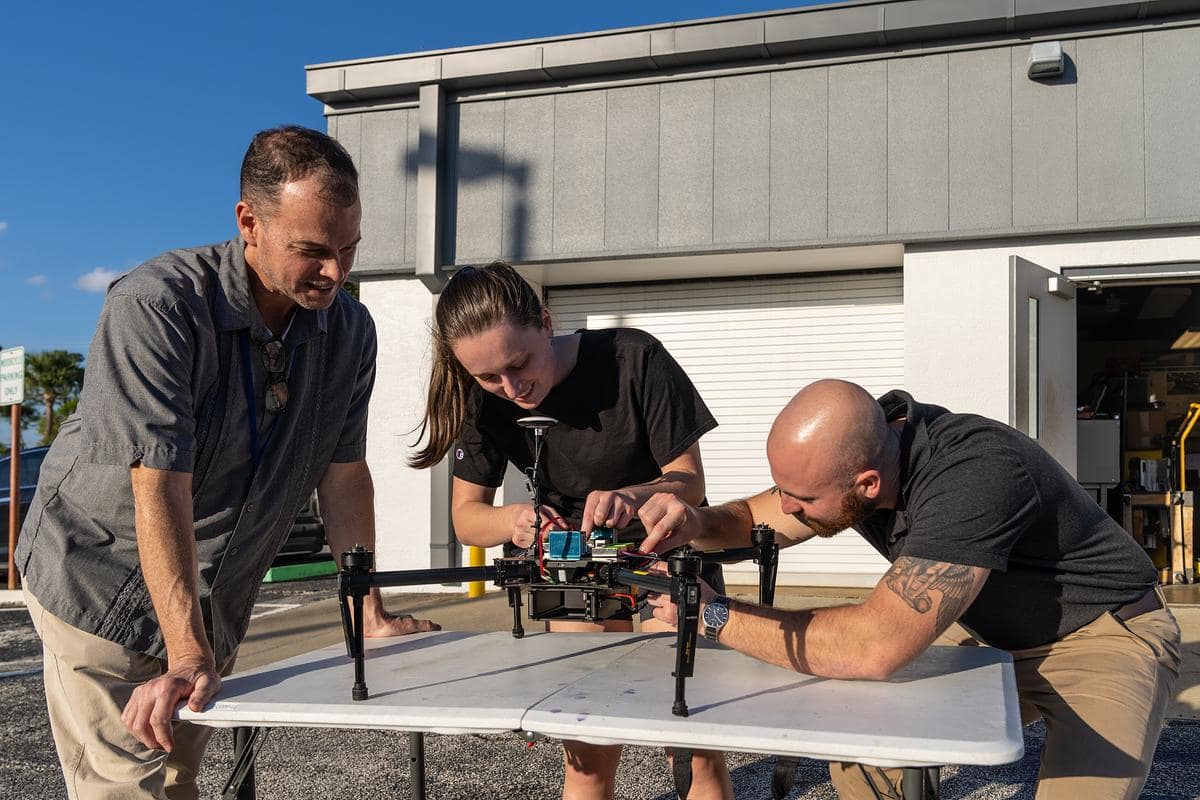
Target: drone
(568,575)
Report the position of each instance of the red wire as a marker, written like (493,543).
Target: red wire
(541,564)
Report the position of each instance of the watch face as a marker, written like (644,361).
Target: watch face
(716,614)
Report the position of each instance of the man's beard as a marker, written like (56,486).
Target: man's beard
(853,509)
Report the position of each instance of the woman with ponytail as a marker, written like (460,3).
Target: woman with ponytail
(629,426)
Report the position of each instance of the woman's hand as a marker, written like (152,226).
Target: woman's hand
(669,523)
(523,522)
(608,509)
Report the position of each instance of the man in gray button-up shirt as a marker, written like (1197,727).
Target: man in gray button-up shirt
(224,384)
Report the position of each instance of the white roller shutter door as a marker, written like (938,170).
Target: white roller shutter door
(749,345)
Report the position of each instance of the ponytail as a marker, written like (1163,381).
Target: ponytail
(475,300)
(445,408)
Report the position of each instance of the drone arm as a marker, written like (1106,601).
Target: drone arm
(355,582)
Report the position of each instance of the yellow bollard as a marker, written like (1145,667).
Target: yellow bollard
(475,559)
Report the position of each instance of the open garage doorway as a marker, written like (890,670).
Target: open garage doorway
(1138,379)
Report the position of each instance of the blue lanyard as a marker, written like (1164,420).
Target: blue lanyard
(256,448)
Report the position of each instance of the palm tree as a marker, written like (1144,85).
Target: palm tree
(57,375)
(28,415)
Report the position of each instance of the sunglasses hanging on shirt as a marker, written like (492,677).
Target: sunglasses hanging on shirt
(276,389)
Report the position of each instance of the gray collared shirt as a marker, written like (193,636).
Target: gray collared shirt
(166,384)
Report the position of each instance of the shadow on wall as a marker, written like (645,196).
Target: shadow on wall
(464,166)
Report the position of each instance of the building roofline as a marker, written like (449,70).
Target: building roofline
(853,25)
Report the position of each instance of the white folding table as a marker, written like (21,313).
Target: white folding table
(952,705)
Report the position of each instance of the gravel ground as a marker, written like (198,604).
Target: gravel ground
(309,764)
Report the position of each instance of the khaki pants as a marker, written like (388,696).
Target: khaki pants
(88,681)
(1103,692)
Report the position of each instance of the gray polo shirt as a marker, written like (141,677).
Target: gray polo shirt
(166,385)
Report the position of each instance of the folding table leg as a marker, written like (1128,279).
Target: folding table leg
(246,744)
(416,764)
(681,769)
(783,777)
(921,783)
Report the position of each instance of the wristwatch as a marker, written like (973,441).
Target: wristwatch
(716,614)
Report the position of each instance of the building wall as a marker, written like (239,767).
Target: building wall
(383,145)
(914,147)
(950,152)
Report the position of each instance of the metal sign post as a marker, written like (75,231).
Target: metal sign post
(12,393)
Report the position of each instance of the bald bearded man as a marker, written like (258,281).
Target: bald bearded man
(983,527)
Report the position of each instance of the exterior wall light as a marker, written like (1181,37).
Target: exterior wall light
(1046,60)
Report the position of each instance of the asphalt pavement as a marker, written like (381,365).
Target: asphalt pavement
(309,764)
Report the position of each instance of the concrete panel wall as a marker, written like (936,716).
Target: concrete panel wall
(742,159)
(1044,156)
(980,139)
(527,208)
(1172,97)
(384,145)
(858,155)
(631,168)
(904,148)
(918,144)
(685,172)
(1112,143)
(799,161)
(475,181)
(579,142)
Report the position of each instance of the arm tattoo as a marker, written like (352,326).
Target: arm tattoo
(913,578)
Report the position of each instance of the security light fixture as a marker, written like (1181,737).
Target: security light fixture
(1046,60)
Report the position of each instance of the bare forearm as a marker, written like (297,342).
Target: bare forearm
(483,525)
(907,610)
(167,551)
(725,526)
(687,486)
(347,500)
(835,642)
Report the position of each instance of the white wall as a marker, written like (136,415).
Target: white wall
(956,327)
(402,308)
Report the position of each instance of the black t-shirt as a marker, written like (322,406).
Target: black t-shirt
(977,492)
(624,411)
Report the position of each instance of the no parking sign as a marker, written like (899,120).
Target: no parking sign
(12,376)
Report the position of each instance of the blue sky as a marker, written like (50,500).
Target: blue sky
(124,123)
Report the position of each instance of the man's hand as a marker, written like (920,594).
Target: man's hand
(669,523)
(148,713)
(522,525)
(668,612)
(385,624)
(607,509)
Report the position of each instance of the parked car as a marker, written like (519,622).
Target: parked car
(31,465)
(306,538)
(308,531)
